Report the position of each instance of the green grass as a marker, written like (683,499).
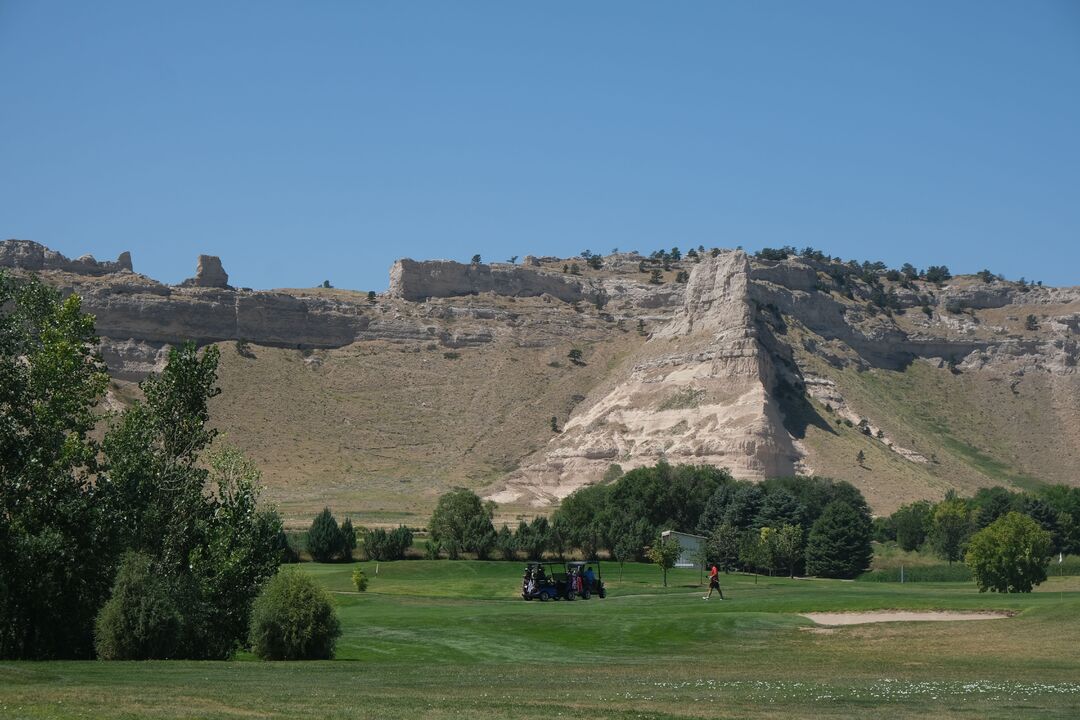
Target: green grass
(452,640)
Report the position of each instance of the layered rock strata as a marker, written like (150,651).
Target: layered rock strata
(700,391)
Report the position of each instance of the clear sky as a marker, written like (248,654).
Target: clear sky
(304,141)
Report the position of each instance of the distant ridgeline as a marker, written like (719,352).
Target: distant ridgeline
(902,381)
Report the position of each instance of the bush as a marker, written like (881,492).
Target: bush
(359,579)
(140,621)
(294,619)
(382,545)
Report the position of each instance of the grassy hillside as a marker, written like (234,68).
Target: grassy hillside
(451,640)
(378,430)
(975,428)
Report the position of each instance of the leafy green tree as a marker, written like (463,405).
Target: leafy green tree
(723,547)
(450,522)
(202,525)
(575,356)
(753,554)
(912,523)
(476,259)
(626,550)
(656,277)
(839,542)
(950,528)
(237,554)
(785,547)
(371,298)
(1009,555)
(664,553)
(51,377)
(580,517)
(324,537)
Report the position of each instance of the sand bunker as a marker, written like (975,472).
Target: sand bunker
(879,616)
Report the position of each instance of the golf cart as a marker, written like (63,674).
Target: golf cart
(586,586)
(546,581)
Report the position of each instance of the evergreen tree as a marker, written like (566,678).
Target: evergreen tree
(504,543)
(780,508)
(324,537)
(348,539)
(839,542)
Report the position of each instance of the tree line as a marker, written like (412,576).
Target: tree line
(946,527)
(792,525)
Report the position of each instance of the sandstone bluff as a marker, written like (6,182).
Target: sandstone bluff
(759,366)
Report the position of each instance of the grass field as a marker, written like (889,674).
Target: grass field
(452,640)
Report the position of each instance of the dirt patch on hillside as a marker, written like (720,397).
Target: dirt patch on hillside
(880,616)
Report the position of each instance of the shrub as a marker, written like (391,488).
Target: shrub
(382,545)
(140,621)
(359,579)
(294,619)
(431,550)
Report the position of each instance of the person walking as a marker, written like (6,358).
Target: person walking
(714,584)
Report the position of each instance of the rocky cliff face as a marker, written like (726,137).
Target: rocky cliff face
(700,391)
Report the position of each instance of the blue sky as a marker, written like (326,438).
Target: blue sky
(322,140)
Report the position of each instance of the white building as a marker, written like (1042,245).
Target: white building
(691,547)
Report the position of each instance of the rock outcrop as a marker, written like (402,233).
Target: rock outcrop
(209,273)
(29,255)
(412,280)
(700,391)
